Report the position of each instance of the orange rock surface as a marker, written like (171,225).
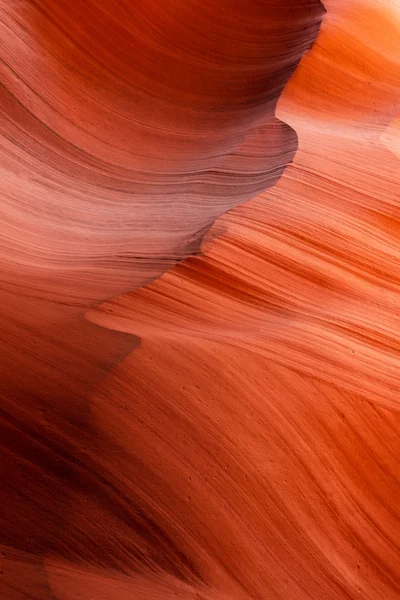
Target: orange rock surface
(231,429)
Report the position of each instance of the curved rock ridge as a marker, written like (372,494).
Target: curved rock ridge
(127,129)
(272,360)
(154,120)
(306,274)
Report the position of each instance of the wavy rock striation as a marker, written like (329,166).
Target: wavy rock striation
(245,449)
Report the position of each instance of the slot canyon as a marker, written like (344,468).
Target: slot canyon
(200,300)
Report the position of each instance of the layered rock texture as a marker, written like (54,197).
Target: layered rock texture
(196,403)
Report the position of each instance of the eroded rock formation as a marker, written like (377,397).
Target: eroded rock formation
(245,448)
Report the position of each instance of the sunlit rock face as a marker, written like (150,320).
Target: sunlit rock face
(228,430)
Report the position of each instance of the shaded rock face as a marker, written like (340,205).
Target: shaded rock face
(241,450)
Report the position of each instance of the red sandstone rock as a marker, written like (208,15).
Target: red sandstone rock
(245,449)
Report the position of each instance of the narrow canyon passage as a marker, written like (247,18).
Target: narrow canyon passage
(231,428)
